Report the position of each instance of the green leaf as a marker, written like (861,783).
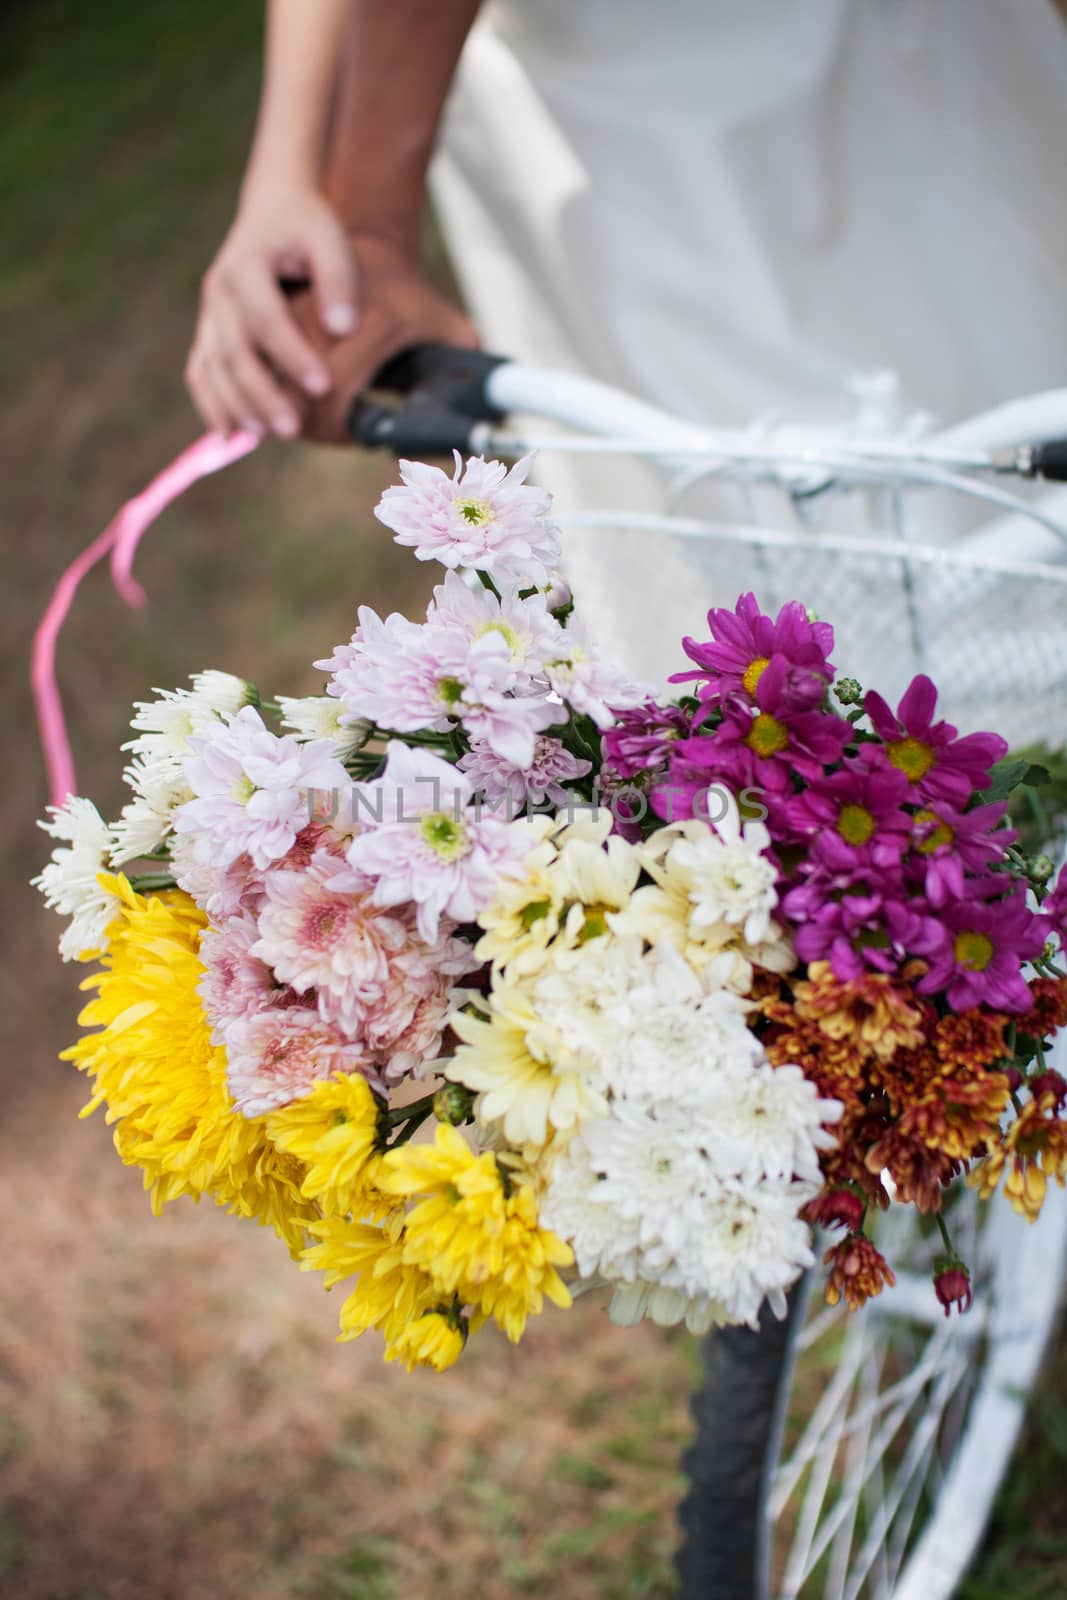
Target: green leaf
(1010,774)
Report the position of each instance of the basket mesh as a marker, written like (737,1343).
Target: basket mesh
(992,635)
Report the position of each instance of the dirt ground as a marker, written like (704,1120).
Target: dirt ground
(176,1420)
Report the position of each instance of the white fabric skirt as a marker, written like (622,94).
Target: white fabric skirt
(729,207)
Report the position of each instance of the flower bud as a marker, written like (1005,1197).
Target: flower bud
(1039,869)
(1049,1082)
(849,691)
(452,1104)
(838,1208)
(952,1285)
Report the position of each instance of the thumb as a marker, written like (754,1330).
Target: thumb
(333,272)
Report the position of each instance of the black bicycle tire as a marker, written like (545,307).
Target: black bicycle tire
(738,1412)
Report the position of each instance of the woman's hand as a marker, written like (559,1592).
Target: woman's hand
(251,364)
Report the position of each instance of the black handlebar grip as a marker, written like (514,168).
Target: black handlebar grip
(1050,460)
(457,377)
(417,431)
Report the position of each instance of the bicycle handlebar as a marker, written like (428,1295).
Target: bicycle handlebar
(450,399)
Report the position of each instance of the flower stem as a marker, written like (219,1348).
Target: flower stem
(412,1126)
(945,1235)
(146,882)
(414,1108)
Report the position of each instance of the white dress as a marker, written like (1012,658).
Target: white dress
(727,206)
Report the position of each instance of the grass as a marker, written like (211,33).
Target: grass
(175,1418)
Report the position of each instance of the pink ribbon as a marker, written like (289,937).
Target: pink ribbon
(121,537)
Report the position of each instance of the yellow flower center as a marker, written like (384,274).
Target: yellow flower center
(753,673)
(243,789)
(509,635)
(937,836)
(767,736)
(475,512)
(912,757)
(595,924)
(449,690)
(855,824)
(974,950)
(445,836)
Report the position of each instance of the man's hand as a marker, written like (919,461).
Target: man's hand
(397,309)
(250,363)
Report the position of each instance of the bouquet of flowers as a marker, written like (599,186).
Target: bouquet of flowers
(677,982)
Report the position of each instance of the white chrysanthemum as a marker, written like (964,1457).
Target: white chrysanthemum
(752,1247)
(711,902)
(165,726)
(578,1002)
(321,716)
(682,1037)
(632,1302)
(71,883)
(160,787)
(725,874)
(771,1121)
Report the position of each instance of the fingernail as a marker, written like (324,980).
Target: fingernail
(253,426)
(340,318)
(285,426)
(316,382)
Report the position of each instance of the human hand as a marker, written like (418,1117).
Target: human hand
(252,362)
(398,308)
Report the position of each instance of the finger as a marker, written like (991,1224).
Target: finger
(333,270)
(263,403)
(201,390)
(227,396)
(270,324)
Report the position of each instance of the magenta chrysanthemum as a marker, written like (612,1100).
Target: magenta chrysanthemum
(853,816)
(983,945)
(744,641)
(936,762)
(950,844)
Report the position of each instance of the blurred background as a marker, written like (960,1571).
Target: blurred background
(176,1419)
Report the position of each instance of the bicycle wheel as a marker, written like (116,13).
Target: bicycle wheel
(844,1457)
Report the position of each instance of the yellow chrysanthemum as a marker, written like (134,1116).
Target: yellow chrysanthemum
(389,1293)
(519,1088)
(436,1339)
(475,1231)
(336,1132)
(163,1082)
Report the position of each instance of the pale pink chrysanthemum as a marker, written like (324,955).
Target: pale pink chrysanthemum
(221,892)
(251,790)
(397,673)
(589,685)
(422,844)
(235,983)
(484,517)
(407,676)
(524,622)
(317,936)
(542,778)
(278,1055)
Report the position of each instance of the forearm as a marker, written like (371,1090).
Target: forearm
(398,58)
(303,49)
